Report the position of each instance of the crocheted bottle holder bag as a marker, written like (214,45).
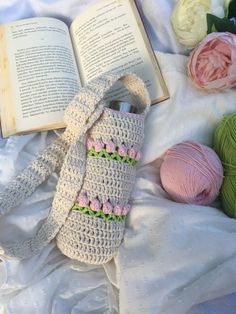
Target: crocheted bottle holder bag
(97,156)
(95,226)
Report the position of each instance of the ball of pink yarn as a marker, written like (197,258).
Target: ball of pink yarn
(191,173)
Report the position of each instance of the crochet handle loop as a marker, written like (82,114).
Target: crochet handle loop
(68,153)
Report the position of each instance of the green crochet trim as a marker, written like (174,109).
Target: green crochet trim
(112,156)
(99,213)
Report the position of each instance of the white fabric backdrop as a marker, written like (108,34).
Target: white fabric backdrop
(174,256)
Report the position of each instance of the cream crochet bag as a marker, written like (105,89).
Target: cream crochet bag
(96,156)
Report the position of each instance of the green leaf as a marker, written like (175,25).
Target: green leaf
(213,29)
(232,9)
(216,24)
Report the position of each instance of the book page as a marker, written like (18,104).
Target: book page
(40,74)
(110,36)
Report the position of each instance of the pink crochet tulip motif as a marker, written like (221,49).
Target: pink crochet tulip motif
(118,209)
(95,205)
(126,209)
(212,64)
(90,143)
(107,208)
(98,144)
(83,200)
(110,147)
(132,153)
(122,150)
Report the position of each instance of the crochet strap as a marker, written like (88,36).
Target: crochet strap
(32,176)
(69,153)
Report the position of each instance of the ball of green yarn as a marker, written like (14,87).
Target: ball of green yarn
(225,146)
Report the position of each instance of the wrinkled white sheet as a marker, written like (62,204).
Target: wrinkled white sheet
(174,256)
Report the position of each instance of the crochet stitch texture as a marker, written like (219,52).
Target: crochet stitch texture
(87,238)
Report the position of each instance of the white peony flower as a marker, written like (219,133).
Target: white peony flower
(189,19)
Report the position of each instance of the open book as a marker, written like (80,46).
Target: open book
(43,63)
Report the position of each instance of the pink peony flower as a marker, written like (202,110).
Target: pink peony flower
(107,208)
(126,209)
(132,153)
(118,210)
(95,205)
(98,144)
(122,150)
(83,200)
(110,147)
(212,64)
